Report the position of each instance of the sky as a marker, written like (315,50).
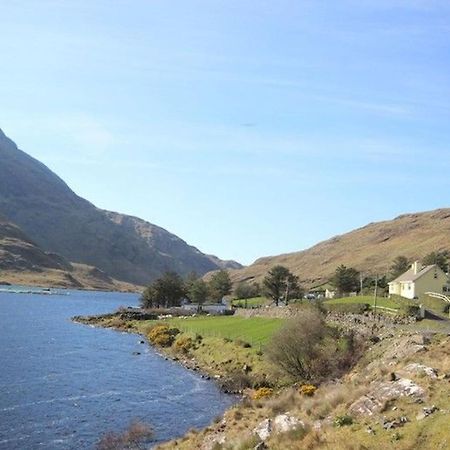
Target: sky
(248,128)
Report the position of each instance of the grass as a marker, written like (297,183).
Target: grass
(254,330)
(381,301)
(253,302)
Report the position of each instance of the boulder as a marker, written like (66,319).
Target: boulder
(285,422)
(264,429)
(374,401)
(415,368)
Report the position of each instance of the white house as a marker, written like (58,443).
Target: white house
(418,280)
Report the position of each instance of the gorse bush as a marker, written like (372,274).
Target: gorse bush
(162,335)
(183,343)
(308,389)
(263,392)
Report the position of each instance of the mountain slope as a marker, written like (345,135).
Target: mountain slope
(24,262)
(59,221)
(369,249)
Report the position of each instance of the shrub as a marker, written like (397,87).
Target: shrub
(135,436)
(342,421)
(410,310)
(183,343)
(242,343)
(263,392)
(237,381)
(306,349)
(308,389)
(162,335)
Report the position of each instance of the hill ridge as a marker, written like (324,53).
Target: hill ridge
(60,221)
(370,248)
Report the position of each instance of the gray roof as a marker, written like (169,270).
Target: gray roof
(409,275)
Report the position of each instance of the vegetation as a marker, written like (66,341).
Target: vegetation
(255,330)
(280,284)
(253,302)
(198,292)
(368,300)
(245,290)
(440,258)
(306,349)
(135,437)
(220,285)
(399,265)
(166,291)
(263,392)
(346,279)
(308,389)
(162,335)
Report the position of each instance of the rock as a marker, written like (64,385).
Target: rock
(396,423)
(415,368)
(260,446)
(373,402)
(264,429)
(427,411)
(285,422)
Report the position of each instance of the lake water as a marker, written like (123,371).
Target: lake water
(62,385)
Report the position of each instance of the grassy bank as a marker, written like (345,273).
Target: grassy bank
(227,348)
(328,420)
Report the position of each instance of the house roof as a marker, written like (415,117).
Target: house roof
(409,275)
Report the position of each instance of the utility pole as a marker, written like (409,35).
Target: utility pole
(375,294)
(360,284)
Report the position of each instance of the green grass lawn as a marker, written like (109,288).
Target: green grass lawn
(251,302)
(254,330)
(381,301)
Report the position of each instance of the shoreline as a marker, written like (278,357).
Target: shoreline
(168,354)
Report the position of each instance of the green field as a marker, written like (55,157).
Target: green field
(251,302)
(255,330)
(381,301)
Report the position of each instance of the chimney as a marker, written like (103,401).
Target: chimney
(416,267)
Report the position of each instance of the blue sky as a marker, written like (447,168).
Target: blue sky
(248,128)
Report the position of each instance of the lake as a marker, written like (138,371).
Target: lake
(63,385)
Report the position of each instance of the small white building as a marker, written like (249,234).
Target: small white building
(418,280)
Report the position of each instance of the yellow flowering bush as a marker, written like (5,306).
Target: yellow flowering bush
(183,343)
(308,389)
(263,392)
(162,335)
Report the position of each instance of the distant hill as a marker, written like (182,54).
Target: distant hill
(59,221)
(22,261)
(369,249)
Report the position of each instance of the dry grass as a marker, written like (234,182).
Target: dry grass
(412,235)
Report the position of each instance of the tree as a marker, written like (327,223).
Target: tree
(439,258)
(246,290)
(198,292)
(166,291)
(280,283)
(220,285)
(399,265)
(346,279)
(190,279)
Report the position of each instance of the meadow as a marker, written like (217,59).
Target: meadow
(254,330)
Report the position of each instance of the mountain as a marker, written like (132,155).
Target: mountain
(59,221)
(22,261)
(369,249)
